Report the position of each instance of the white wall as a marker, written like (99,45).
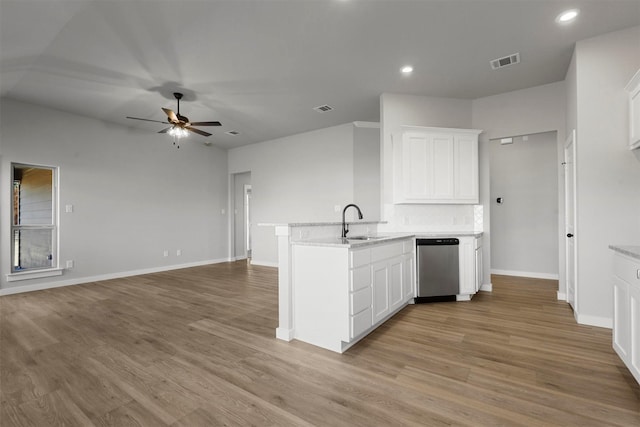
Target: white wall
(522,112)
(608,174)
(134,194)
(366,169)
(524,227)
(300,178)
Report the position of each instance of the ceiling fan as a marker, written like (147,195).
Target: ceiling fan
(180,125)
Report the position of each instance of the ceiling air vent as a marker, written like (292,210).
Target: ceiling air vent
(233,132)
(504,61)
(323,108)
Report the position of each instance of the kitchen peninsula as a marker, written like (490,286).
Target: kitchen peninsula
(333,291)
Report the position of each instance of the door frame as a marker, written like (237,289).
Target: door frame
(570,196)
(247,220)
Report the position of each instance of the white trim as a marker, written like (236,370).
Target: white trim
(372,125)
(119,275)
(562,296)
(37,274)
(284,334)
(601,322)
(264,263)
(533,275)
(486,287)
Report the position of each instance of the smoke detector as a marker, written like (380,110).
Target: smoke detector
(505,61)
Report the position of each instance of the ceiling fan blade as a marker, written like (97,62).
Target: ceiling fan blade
(165,130)
(198,131)
(206,123)
(172,116)
(146,120)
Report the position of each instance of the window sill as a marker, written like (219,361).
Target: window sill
(27,275)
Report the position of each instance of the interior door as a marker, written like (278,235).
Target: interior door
(570,219)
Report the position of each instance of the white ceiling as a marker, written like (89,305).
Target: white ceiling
(260,66)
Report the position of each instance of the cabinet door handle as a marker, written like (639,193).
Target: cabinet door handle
(638,273)
(569,235)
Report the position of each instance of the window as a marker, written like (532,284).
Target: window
(34,224)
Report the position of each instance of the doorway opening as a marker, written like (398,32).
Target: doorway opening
(524,206)
(247,219)
(241,218)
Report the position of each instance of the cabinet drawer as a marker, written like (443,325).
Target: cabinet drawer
(386,251)
(360,278)
(627,270)
(360,323)
(360,300)
(359,258)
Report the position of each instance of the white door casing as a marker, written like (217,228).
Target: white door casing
(570,221)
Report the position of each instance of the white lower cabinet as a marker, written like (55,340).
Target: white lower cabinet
(381,303)
(342,294)
(470,261)
(626,312)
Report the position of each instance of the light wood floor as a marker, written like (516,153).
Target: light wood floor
(196,347)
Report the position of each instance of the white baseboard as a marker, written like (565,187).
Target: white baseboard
(601,322)
(486,287)
(562,296)
(533,275)
(264,263)
(284,334)
(109,276)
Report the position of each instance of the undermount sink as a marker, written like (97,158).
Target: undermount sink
(365,238)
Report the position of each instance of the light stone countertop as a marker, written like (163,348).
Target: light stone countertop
(381,238)
(630,250)
(339,242)
(317,224)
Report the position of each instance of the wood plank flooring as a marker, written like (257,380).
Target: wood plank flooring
(196,347)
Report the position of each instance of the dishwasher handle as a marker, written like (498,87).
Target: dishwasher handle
(437,242)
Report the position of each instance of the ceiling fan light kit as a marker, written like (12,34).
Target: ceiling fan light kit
(180,125)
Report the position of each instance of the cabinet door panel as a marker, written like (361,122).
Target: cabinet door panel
(408,278)
(466,172)
(621,318)
(395,283)
(441,167)
(634,331)
(416,153)
(380,291)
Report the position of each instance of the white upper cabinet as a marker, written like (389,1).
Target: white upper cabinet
(436,165)
(634,111)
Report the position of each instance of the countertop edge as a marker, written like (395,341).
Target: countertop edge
(338,242)
(632,251)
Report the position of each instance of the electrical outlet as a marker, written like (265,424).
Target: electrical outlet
(166,253)
(70,263)
(336,208)
(179,252)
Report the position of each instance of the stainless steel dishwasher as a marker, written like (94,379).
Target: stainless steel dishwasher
(438,270)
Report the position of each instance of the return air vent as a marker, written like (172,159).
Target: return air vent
(323,108)
(504,61)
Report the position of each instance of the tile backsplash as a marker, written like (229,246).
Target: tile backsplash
(432,217)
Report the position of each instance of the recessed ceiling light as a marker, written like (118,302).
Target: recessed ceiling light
(407,69)
(567,16)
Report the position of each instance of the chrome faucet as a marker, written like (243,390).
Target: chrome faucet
(345,228)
